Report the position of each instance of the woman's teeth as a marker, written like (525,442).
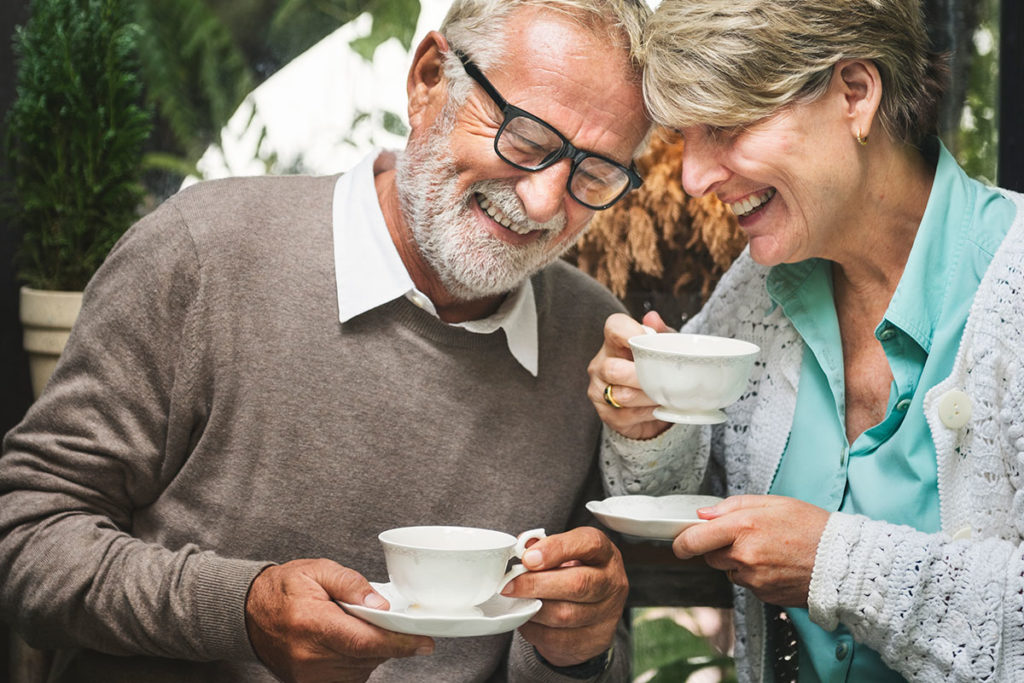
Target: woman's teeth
(747,206)
(495,213)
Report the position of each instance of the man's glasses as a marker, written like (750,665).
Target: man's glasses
(530,144)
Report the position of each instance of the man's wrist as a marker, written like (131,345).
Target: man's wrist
(595,666)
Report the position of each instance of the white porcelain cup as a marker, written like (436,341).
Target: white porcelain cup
(448,569)
(692,376)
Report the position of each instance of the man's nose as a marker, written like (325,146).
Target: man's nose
(544,192)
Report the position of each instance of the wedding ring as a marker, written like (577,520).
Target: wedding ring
(608,398)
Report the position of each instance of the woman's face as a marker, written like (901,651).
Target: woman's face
(791,179)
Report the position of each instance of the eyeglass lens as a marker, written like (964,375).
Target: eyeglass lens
(532,145)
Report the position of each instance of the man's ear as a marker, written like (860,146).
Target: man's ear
(860,84)
(426,84)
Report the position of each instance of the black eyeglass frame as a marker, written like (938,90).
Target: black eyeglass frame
(567,151)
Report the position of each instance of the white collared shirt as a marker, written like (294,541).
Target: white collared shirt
(370,272)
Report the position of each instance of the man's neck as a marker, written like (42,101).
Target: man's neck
(449,309)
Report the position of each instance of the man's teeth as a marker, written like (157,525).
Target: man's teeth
(747,206)
(495,213)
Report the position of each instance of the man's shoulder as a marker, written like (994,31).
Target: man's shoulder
(573,282)
(253,194)
(562,288)
(252,210)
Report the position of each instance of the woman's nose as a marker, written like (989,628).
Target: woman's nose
(703,169)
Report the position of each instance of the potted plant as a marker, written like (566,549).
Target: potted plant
(74,147)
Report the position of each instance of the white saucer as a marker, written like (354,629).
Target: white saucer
(653,517)
(694,417)
(497,615)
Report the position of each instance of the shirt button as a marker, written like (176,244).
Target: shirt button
(842,649)
(887,334)
(954,409)
(903,405)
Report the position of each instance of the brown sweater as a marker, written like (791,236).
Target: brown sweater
(211,415)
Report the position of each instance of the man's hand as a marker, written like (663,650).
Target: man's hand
(580,577)
(766,543)
(301,635)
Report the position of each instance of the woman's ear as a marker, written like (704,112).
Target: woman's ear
(426,85)
(860,84)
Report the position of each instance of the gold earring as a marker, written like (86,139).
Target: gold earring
(862,139)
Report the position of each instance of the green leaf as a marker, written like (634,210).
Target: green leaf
(393,123)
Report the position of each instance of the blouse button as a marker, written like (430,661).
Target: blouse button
(903,405)
(887,334)
(954,409)
(842,649)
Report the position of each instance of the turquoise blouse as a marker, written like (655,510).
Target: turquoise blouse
(889,471)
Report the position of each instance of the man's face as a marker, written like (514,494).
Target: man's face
(482,225)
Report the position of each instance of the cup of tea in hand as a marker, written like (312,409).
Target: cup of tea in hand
(450,569)
(692,376)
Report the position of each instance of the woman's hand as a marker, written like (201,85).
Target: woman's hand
(765,543)
(613,366)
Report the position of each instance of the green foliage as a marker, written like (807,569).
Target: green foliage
(300,23)
(194,72)
(201,58)
(673,652)
(75,137)
(977,137)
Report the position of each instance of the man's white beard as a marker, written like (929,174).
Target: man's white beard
(469,261)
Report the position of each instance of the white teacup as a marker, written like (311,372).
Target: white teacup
(450,569)
(692,376)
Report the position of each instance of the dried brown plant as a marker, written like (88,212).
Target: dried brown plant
(658,247)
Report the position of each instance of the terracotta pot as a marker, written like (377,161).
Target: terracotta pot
(46,317)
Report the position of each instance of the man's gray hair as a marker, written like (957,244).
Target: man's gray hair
(476,27)
(725,63)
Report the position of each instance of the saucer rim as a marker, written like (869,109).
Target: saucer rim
(444,626)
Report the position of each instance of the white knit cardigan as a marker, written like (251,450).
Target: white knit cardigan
(936,607)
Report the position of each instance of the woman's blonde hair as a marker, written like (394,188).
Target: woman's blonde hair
(725,63)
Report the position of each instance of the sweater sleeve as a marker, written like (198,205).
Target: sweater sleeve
(672,462)
(935,609)
(113,426)
(525,667)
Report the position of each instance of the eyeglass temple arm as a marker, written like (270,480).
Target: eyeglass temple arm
(474,72)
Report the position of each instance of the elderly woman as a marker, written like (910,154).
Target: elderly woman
(881,442)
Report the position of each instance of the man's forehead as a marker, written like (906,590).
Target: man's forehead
(572,77)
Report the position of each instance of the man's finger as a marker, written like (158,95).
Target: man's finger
(586,544)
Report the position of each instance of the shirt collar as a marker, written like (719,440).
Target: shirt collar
(369,272)
(918,301)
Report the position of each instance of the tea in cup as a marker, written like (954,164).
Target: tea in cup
(692,376)
(451,569)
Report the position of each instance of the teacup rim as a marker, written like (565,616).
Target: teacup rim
(742,347)
(508,539)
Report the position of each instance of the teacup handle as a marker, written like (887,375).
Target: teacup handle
(519,549)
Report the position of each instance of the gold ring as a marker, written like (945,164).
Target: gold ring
(608,398)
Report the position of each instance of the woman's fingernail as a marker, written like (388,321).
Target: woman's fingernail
(425,650)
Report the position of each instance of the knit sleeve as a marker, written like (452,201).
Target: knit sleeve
(113,426)
(672,462)
(935,609)
(524,666)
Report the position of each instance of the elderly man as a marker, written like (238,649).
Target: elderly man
(270,371)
